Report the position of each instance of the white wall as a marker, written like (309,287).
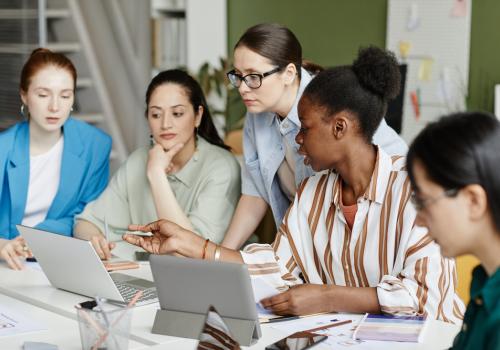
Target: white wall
(206,32)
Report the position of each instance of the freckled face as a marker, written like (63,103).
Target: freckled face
(49,98)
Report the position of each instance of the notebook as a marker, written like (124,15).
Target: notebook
(390,328)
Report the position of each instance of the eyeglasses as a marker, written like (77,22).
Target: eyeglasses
(253,80)
(420,203)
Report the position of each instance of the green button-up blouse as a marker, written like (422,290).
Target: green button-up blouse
(207,188)
(481,326)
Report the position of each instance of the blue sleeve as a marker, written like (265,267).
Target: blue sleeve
(6,144)
(250,158)
(95,183)
(389,140)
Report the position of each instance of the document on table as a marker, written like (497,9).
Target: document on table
(33,265)
(262,289)
(310,322)
(12,323)
(340,337)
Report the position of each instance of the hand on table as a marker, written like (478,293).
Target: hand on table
(13,250)
(304,299)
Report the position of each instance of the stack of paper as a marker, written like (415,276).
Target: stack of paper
(390,328)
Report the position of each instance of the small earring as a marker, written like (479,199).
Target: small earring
(151,140)
(71,109)
(22,110)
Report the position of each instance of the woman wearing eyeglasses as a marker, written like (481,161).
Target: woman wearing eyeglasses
(270,77)
(454,167)
(349,240)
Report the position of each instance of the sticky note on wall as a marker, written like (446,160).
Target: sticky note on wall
(425,69)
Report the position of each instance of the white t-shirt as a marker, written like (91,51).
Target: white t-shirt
(45,173)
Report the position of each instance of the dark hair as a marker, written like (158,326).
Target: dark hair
(364,88)
(278,44)
(179,77)
(41,58)
(458,150)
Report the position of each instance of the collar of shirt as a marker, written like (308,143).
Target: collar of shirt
(485,289)
(378,182)
(293,115)
(189,172)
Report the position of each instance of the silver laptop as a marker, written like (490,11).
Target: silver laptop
(73,265)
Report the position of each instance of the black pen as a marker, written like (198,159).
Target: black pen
(289,318)
(281,319)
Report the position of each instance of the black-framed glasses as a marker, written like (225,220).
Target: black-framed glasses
(421,203)
(253,80)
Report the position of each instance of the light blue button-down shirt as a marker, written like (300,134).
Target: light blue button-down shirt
(264,151)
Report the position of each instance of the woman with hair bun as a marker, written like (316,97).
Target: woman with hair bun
(270,76)
(349,241)
(51,164)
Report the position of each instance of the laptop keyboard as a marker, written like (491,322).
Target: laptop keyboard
(128,292)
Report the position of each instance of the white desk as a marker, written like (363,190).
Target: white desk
(439,335)
(31,287)
(59,330)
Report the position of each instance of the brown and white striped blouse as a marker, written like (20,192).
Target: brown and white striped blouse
(384,249)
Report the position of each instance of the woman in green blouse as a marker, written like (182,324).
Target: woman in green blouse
(454,167)
(187,176)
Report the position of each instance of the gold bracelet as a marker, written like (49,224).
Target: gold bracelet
(217,253)
(205,249)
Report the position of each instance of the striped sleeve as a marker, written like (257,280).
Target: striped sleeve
(425,283)
(278,263)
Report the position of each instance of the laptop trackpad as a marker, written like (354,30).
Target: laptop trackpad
(131,280)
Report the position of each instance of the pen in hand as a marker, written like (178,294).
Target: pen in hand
(106,229)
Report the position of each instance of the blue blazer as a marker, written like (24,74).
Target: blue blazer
(84,175)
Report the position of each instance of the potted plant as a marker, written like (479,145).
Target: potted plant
(224,102)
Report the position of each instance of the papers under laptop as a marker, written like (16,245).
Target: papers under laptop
(73,265)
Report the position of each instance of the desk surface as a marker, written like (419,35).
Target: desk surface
(58,329)
(31,290)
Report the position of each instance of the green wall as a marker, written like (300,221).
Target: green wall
(484,53)
(331,32)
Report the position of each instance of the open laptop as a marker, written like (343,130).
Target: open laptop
(188,287)
(73,265)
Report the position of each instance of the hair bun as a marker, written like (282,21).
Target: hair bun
(378,71)
(40,50)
